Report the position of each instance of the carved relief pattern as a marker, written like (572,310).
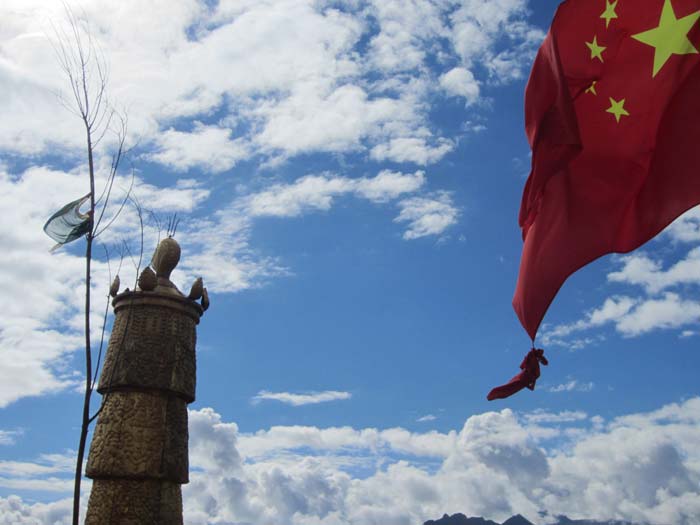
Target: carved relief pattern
(138,456)
(151,347)
(140,435)
(129,502)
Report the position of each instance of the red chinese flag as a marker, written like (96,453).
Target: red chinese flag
(612,112)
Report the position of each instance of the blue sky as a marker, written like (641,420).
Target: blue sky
(348,177)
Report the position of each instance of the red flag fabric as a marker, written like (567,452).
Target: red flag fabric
(612,111)
(527,378)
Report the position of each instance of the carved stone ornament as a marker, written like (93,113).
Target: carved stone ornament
(148,280)
(166,257)
(138,456)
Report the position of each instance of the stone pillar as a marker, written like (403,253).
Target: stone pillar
(138,456)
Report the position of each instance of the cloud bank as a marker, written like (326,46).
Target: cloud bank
(642,467)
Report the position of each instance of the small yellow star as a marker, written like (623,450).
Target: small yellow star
(670,37)
(617,108)
(609,12)
(591,88)
(596,50)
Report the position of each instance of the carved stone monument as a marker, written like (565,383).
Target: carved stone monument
(138,457)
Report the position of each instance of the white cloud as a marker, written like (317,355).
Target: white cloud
(218,246)
(316,192)
(572,386)
(493,32)
(426,418)
(292,76)
(670,311)
(427,215)
(461,82)
(405,30)
(50,473)
(686,228)
(542,416)
(640,270)
(641,467)
(632,317)
(9,437)
(412,149)
(309,398)
(207,147)
(14,511)
(346,439)
(495,467)
(388,185)
(613,308)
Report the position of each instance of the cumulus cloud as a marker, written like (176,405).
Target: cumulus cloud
(478,28)
(412,149)
(632,317)
(207,147)
(283,77)
(14,511)
(641,270)
(669,311)
(461,82)
(686,228)
(642,467)
(296,400)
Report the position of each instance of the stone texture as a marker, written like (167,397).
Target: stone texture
(152,346)
(140,435)
(129,502)
(138,455)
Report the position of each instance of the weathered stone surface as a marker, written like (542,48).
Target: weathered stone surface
(127,502)
(140,435)
(152,347)
(138,456)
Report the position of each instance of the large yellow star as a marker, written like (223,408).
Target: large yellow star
(617,108)
(609,12)
(596,50)
(670,37)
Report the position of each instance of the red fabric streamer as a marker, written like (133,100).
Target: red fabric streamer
(526,379)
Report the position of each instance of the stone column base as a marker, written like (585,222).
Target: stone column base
(134,502)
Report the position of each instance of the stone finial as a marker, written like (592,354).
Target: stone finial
(147,280)
(196,290)
(166,257)
(205,299)
(114,289)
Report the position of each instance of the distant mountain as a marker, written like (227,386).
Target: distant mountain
(517,520)
(461,519)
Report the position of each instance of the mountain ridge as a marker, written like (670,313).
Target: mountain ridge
(461,519)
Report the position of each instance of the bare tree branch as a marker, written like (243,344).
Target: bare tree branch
(87,73)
